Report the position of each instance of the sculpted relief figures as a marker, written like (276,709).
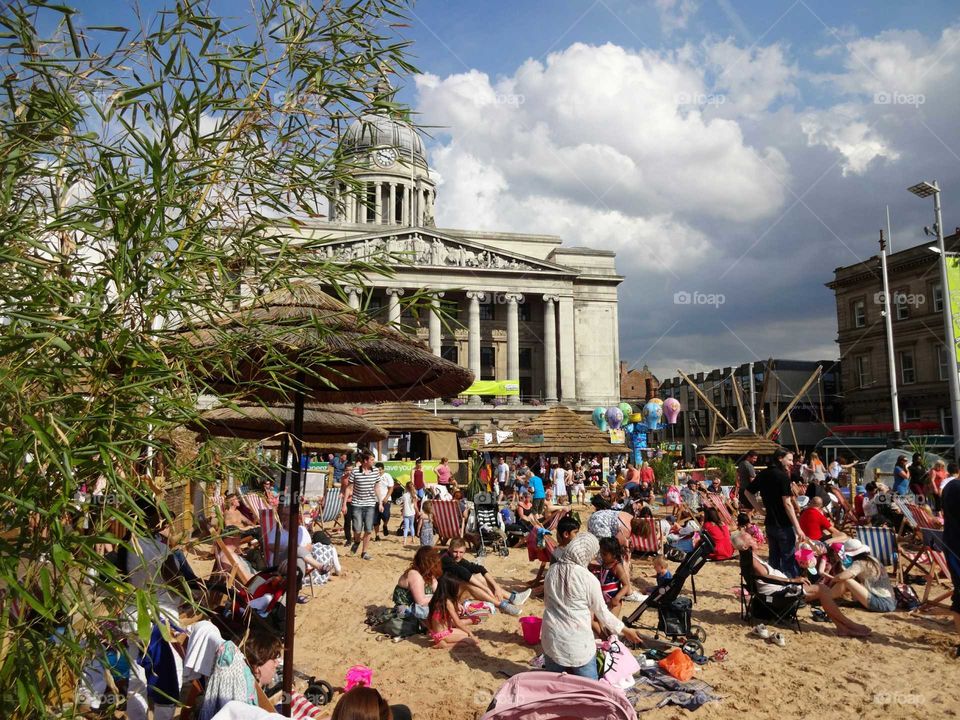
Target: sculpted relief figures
(422,251)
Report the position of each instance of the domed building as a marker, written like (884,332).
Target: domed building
(516,307)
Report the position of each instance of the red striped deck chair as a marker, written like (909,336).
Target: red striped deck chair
(254,502)
(716,501)
(649,540)
(939,571)
(930,560)
(447,519)
(269,528)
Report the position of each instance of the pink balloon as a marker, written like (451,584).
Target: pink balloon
(671,408)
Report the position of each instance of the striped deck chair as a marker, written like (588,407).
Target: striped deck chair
(909,520)
(939,571)
(269,528)
(651,540)
(882,542)
(331,508)
(929,560)
(254,502)
(716,501)
(447,520)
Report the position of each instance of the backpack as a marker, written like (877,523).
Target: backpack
(906,597)
(387,622)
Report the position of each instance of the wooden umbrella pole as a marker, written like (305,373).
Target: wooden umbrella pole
(284,460)
(292,532)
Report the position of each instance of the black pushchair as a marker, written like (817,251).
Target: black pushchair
(489,526)
(675,612)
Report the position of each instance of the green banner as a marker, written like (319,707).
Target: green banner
(493,387)
(400,471)
(952,295)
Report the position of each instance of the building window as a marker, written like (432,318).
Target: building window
(524,313)
(859,314)
(938,298)
(942,363)
(451,353)
(911,415)
(526,358)
(908,374)
(488,363)
(946,421)
(864,377)
(486,311)
(526,387)
(900,304)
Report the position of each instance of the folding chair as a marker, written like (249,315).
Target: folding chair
(754,604)
(882,542)
(939,570)
(716,502)
(447,519)
(332,507)
(650,539)
(909,520)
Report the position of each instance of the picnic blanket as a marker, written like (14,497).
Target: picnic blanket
(655,688)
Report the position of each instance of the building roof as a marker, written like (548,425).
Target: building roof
(739,442)
(564,431)
(373,131)
(403,417)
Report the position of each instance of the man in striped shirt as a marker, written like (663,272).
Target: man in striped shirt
(364,480)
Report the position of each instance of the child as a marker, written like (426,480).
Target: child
(662,569)
(744,524)
(409,512)
(425,527)
(444,624)
(612,574)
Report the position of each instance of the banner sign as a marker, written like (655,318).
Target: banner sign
(617,437)
(952,295)
(401,471)
(493,387)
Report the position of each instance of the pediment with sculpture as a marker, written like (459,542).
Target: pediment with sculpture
(426,249)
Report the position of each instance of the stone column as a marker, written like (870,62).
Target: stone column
(392,213)
(393,298)
(403,205)
(353,298)
(513,342)
(378,202)
(550,348)
(473,339)
(567,351)
(435,340)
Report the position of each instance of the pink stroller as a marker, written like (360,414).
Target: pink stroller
(540,695)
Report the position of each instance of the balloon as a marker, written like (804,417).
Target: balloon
(671,408)
(614,417)
(626,408)
(600,419)
(652,412)
(658,401)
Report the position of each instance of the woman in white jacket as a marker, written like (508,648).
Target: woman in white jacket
(572,598)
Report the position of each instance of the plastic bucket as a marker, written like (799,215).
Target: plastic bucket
(531,629)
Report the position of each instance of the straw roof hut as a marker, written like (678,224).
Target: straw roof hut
(739,442)
(348,356)
(432,437)
(564,431)
(321,423)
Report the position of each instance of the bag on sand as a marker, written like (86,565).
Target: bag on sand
(678,665)
(399,627)
(906,597)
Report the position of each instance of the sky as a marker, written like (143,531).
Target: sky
(732,153)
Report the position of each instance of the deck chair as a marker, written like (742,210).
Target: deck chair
(909,520)
(447,519)
(651,540)
(270,529)
(778,609)
(882,542)
(332,506)
(938,572)
(716,502)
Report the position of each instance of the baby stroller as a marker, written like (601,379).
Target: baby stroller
(490,529)
(675,612)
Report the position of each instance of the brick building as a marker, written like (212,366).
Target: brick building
(637,386)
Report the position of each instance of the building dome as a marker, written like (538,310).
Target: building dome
(373,131)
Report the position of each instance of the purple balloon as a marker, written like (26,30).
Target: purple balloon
(614,417)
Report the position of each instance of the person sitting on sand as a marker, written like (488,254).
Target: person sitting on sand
(477,581)
(719,534)
(812,593)
(411,596)
(817,525)
(745,524)
(613,576)
(864,580)
(444,624)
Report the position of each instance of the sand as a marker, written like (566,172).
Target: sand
(904,670)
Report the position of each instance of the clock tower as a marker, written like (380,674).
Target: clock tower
(390,165)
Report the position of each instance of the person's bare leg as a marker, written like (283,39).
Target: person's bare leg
(480,592)
(857,591)
(495,587)
(845,626)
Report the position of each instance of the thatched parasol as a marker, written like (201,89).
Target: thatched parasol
(405,417)
(348,357)
(564,431)
(739,442)
(319,349)
(321,423)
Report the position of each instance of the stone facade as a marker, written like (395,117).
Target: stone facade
(509,305)
(918,332)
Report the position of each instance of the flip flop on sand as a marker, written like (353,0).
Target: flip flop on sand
(761,632)
(720,655)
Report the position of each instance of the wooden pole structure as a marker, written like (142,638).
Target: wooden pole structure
(796,398)
(737,396)
(703,397)
(763,394)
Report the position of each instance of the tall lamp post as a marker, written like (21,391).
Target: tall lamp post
(896,439)
(926,189)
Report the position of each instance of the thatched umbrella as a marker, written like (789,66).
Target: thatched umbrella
(321,423)
(336,355)
(739,442)
(564,431)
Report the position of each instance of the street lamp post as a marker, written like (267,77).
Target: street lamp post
(896,439)
(926,189)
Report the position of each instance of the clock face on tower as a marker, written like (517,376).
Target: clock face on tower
(385,157)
